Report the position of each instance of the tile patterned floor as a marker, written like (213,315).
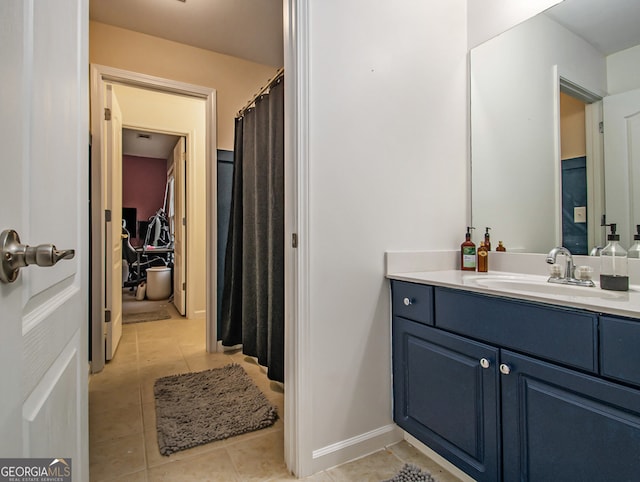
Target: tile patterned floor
(123,443)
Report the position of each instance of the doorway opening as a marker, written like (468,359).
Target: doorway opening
(143,100)
(153,219)
(581,168)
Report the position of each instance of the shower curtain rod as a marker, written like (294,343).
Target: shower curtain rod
(279,74)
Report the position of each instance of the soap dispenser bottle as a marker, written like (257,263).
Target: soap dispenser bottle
(613,264)
(634,250)
(468,252)
(487,239)
(483,258)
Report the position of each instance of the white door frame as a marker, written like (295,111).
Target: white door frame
(298,413)
(100,75)
(298,445)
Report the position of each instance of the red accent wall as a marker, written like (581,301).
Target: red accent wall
(143,184)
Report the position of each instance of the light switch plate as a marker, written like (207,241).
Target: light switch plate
(580,214)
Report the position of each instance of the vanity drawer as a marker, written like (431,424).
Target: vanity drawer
(620,349)
(412,301)
(556,334)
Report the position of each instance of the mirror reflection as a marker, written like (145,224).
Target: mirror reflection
(543,174)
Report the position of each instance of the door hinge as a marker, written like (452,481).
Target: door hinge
(601,127)
(107,316)
(184,286)
(294,240)
(184,221)
(107,215)
(107,114)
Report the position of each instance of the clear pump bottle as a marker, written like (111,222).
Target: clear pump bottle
(613,264)
(634,250)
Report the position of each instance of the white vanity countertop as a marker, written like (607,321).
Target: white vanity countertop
(624,303)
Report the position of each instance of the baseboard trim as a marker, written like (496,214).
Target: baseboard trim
(355,447)
(197,315)
(223,348)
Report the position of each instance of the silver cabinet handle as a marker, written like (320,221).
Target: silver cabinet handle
(484,363)
(16,255)
(505,369)
(407,301)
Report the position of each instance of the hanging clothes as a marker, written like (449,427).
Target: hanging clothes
(253,294)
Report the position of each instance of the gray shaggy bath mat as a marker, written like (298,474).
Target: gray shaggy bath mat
(197,408)
(145,316)
(411,473)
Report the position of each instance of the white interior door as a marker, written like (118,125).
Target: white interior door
(622,162)
(44,136)
(112,135)
(179,269)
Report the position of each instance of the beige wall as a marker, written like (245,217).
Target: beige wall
(235,80)
(572,127)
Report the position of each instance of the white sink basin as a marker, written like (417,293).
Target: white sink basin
(539,286)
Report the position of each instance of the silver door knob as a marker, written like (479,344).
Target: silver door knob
(505,369)
(407,302)
(484,363)
(16,255)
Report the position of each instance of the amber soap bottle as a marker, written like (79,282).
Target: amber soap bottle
(483,258)
(487,239)
(468,253)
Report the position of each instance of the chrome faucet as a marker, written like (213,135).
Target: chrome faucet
(551,259)
(569,271)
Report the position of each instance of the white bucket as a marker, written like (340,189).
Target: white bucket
(158,283)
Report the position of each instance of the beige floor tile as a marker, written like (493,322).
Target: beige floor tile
(195,348)
(135,477)
(321,477)
(116,458)
(159,354)
(259,458)
(378,466)
(115,423)
(212,466)
(162,369)
(289,478)
(126,353)
(149,416)
(115,378)
(205,361)
(104,398)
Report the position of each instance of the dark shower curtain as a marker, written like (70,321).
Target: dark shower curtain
(253,294)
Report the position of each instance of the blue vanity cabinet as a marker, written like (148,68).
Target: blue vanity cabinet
(446,395)
(412,301)
(560,424)
(515,390)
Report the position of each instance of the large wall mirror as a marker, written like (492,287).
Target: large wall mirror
(543,174)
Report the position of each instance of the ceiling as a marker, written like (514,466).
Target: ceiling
(248,29)
(608,25)
(147,144)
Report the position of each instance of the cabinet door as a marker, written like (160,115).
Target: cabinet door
(558,424)
(444,397)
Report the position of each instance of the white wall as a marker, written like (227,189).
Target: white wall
(174,114)
(514,129)
(388,171)
(488,18)
(623,70)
